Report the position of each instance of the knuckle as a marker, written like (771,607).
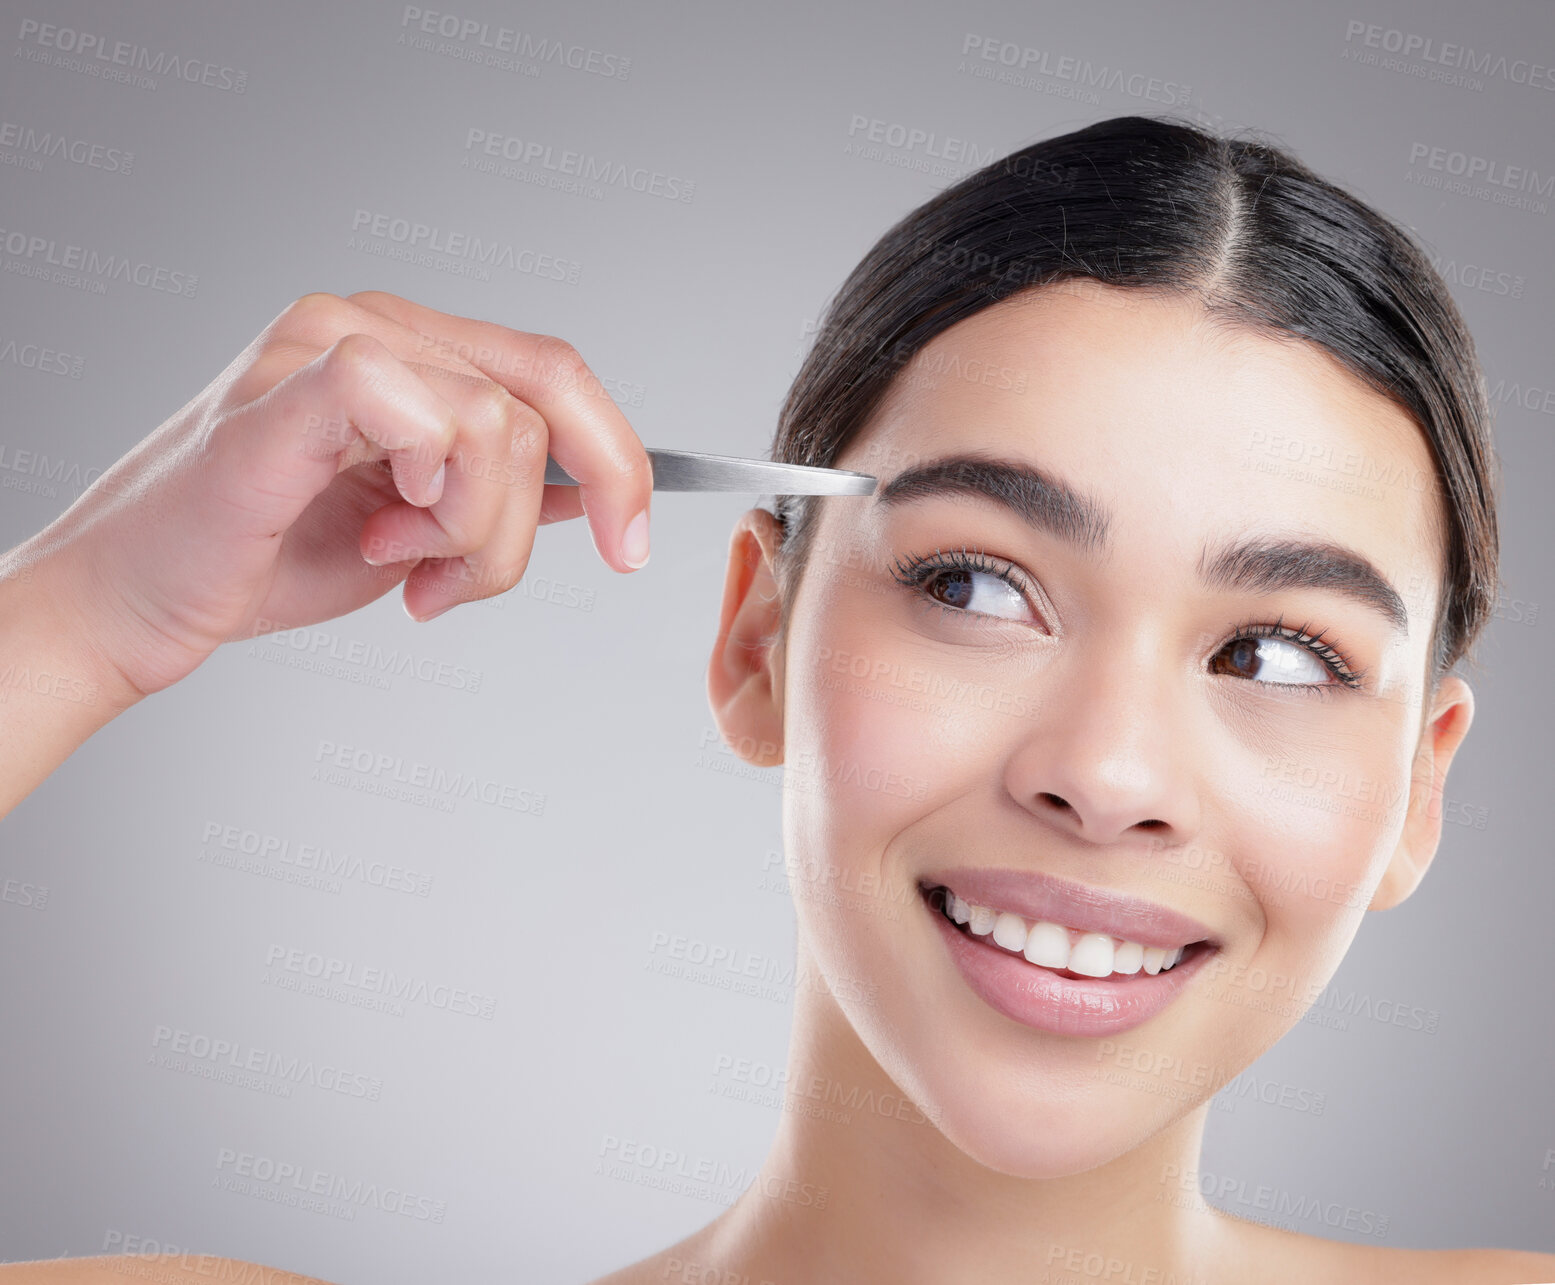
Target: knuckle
(353,356)
(316,310)
(637,465)
(558,363)
(367,298)
(492,408)
(530,436)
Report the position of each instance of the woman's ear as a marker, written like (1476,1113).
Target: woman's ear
(1452,710)
(745,674)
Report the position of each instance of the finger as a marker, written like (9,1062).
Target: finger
(481,479)
(311,325)
(588,434)
(561,503)
(443,576)
(285,447)
(465,579)
(497,567)
(316,320)
(442,579)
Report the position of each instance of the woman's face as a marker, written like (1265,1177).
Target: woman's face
(1094,700)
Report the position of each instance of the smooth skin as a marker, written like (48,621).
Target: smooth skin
(1021,1155)
(297,487)
(1137,760)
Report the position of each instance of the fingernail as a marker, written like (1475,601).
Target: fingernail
(435,486)
(634,543)
(421,620)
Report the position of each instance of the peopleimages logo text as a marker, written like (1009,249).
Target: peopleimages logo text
(222,1055)
(304,1180)
(431,241)
(1484,169)
(33,143)
(34,255)
(1447,53)
(380,981)
(509,40)
(125,54)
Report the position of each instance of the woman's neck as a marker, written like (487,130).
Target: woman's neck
(860,1185)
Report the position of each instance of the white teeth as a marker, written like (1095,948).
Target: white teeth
(1048,944)
(1052,945)
(1092,955)
(1010,932)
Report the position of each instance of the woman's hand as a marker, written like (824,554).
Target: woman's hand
(352,432)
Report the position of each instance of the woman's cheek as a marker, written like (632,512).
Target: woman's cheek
(884,729)
(869,752)
(1314,832)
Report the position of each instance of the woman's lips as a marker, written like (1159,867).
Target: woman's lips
(1059,1002)
(1036,896)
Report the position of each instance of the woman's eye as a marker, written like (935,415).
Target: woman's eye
(964,583)
(970,584)
(1271,660)
(981,592)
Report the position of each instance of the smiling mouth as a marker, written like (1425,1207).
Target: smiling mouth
(1068,952)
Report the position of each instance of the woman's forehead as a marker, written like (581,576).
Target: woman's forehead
(1168,417)
(1092,351)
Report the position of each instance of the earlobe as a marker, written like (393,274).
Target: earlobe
(1452,710)
(745,672)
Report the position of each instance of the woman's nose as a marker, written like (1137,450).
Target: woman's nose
(1110,749)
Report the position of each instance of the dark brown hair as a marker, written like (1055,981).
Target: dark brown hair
(1151,202)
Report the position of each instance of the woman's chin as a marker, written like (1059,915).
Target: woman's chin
(1021,1139)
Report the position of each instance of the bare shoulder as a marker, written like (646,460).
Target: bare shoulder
(138,1269)
(1280,1256)
(1499,1266)
(1440,1266)
(1291,1256)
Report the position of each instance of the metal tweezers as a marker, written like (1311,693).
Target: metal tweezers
(694,471)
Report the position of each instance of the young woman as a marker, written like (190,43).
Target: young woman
(1078,695)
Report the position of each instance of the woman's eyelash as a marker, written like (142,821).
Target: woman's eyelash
(1332,657)
(914,571)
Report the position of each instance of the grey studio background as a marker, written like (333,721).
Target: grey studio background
(1413,1108)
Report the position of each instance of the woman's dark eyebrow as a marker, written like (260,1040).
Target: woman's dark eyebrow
(1049,504)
